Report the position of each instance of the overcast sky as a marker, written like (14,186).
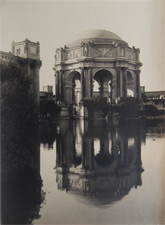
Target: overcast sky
(54,23)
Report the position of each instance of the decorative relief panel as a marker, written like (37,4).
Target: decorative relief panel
(131,55)
(73,54)
(103,52)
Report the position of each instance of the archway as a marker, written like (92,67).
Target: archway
(95,88)
(104,79)
(130,90)
(73,88)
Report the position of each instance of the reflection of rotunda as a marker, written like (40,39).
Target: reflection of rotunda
(98,161)
(97,58)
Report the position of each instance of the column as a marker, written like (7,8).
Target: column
(111,87)
(73,93)
(101,90)
(91,83)
(57,86)
(124,82)
(62,85)
(118,82)
(87,82)
(82,83)
(121,83)
(138,84)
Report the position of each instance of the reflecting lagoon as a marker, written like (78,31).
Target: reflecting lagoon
(90,172)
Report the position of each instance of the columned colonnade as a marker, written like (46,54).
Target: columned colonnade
(119,84)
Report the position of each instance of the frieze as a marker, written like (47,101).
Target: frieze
(73,54)
(104,52)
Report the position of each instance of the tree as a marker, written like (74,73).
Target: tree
(18,115)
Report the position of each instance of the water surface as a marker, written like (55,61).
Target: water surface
(103,173)
(88,172)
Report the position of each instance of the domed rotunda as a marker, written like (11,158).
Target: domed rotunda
(96,64)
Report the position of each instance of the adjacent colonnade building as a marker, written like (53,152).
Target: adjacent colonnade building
(26,54)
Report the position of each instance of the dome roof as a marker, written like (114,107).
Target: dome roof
(96,34)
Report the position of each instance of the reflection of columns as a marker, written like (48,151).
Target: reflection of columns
(104,145)
(124,150)
(114,149)
(138,84)
(124,82)
(88,146)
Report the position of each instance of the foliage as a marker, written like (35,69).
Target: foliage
(19,118)
(21,182)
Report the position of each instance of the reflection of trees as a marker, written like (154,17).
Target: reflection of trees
(21,197)
(47,134)
(109,164)
(21,181)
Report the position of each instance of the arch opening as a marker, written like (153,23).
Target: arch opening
(73,90)
(130,87)
(103,84)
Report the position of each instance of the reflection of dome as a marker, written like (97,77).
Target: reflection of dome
(100,199)
(96,188)
(94,35)
(100,191)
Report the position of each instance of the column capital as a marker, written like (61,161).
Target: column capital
(124,68)
(118,69)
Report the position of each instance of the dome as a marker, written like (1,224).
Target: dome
(95,34)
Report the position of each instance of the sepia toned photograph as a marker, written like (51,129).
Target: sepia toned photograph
(82,112)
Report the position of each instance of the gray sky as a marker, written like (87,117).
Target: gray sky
(54,23)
